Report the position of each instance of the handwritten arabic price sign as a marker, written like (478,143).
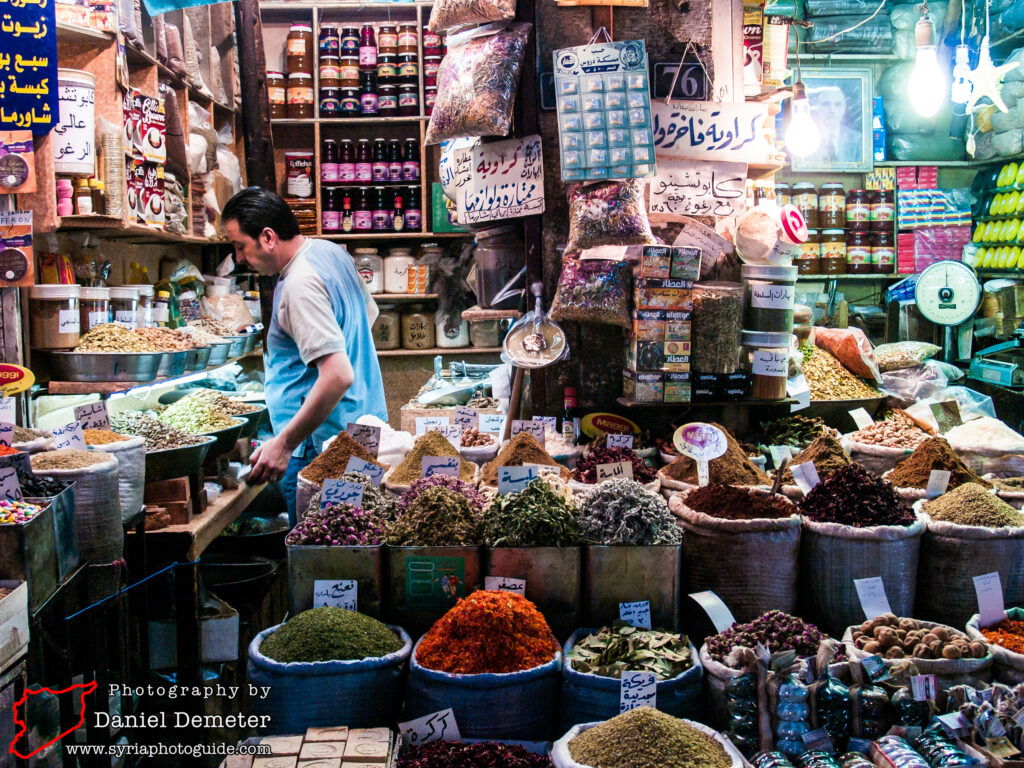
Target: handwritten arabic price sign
(507,181)
(8,409)
(636,614)
(872,596)
(620,441)
(340,594)
(341,492)
(70,436)
(711,130)
(426,423)
(465,416)
(637,689)
(28,67)
(535,428)
(440,465)
(366,435)
(440,726)
(505,584)
(683,188)
(363,467)
(512,479)
(10,488)
(6,434)
(619,470)
(93,416)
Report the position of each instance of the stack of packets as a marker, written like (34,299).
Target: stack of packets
(658,344)
(932,208)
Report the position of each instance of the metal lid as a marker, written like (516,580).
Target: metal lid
(95,293)
(144,289)
(124,292)
(765,340)
(769,272)
(54,291)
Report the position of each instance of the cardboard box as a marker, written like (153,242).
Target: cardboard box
(685,263)
(663,294)
(648,325)
(13,621)
(645,356)
(677,387)
(643,387)
(219,638)
(440,220)
(677,326)
(655,262)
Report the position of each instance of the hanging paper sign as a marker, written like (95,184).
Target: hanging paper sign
(466,417)
(93,415)
(701,442)
(366,435)
(507,181)
(637,614)
(440,465)
(696,189)
(440,726)
(604,111)
(924,687)
(337,594)
(637,689)
(691,82)
(620,441)
(620,470)
(725,131)
(505,584)
(363,467)
(70,436)
(716,610)
(991,608)
(871,593)
(28,68)
(337,491)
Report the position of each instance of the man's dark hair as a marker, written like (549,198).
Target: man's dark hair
(256,209)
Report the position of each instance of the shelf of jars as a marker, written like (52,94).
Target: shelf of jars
(453,351)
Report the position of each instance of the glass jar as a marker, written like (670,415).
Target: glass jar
(276,94)
(387,69)
(408,100)
(144,318)
(450,337)
(299,49)
(805,198)
(717,316)
(56,322)
(387,328)
(417,328)
(330,72)
(124,305)
(808,260)
(330,102)
(858,253)
(330,39)
(330,210)
(330,159)
(300,96)
(429,99)
(832,206)
(370,267)
(93,307)
(396,270)
(858,211)
(882,210)
(883,253)
(766,358)
(387,100)
(408,39)
(408,68)
(387,39)
(833,252)
(769,297)
(348,70)
(350,103)
(431,65)
(431,43)
(350,42)
(782,194)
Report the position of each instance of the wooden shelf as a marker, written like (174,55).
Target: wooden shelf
(73,33)
(394,235)
(992,274)
(454,352)
(351,120)
(112,226)
(736,403)
(386,297)
(864,278)
(849,57)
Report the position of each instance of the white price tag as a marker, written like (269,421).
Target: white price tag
(637,689)
(549,422)
(6,434)
(991,608)
(8,410)
(703,472)
(426,423)
(465,416)
(69,321)
(924,687)
(861,418)
(938,481)
(716,610)
(768,363)
(798,389)
(366,435)
(491,422)
(452,433)
(70,436)
(337,594)
(10,488)
(636,614)
(505,584)
(363,467)
(616,440)
(535,428)
(440,465)
(512,479)
(93,415)
(98,318)
(620,470)
(806,476)
(161,314)
(440,726)
(780,453)
(872,596)
(128,318)
(337,491)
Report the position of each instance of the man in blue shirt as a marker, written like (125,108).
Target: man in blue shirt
(321,365)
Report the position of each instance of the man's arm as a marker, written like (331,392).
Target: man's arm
(334,377)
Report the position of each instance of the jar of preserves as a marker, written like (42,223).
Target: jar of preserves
(330,40)
(833,252)
(330,216)
(782,194)
(387,100)
(350,42)
(408,68)
(808,260)
(348,71)
(387,328)
(364,161)
(367,47)
(858,211)
(431,64)
(276,93)
(417,328)
(766,357)
(396,270)
(300,96)
(56,322)
(387,69)
(368,93)
(387,39)
(429,99)
(93,307)
(832,206)
(330,72)
(299,49)
(883,253)
(408,100)
(408,39)
(370,267)
(350,102)
(330,169)
(858,253)
(124,305)
(431,43)
(805,198)
(144,318)
(330,102)
(883,210)
(346,162)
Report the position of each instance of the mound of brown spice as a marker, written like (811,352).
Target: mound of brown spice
(433,443)
(826,453)
(333,461)
(731,503)
(521,449)
(733,467)
(933,453)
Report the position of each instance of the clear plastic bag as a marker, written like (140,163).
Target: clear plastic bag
(922,381)
(593,291)
(972,405)
(608,213)
(904,354)
(448,14)
(851,347)
(477,82)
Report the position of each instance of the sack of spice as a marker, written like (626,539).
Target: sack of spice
(331,463)
(593,291)
(828,379)
(733,467)
(32,440)
(447,754)
(596,658)
(970,532)
(543,514)
(1009,489)
(521,449)
(912,476)
(493,659)
(131,467)
(624,513)
(584,476)
(884,444)
(450,14)
(1005,643)
(742,544)
(988,445)
(827,455)
(851,347)
(433,443)
(607,213)
(328,666)
(437,517)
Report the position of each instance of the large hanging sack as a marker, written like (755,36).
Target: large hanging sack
(515,705)
(587,697)
(362,694)
(753,565)
(833,555)
(131,473)
(1007,665)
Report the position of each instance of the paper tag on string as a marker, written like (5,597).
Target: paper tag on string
(440,465)
(716,610)
(991,608)
(955,724)
(938,481)
(924,687)
(338,594)
(637,614)
(465,416)
(620,470)
(337,491)
(872,596)
(505,584)
(616,440)
(440,726)
(366,435)
(6,434)
(861,418)
(363,467)
(874,665)
(70,436)
(637,689)
(859,745)
(806,476)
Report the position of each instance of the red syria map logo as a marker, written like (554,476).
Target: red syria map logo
(21,728)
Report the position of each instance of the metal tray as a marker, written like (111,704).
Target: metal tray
(252,421)
(104,366)
(226,439)
(177,462)
(198,358)
(836,413)
(251,340)
(237,345)
(219,353)
(173,363)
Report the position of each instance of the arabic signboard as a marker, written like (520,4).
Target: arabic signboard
(28,65)
(684,188)
(507,180)
(711,130)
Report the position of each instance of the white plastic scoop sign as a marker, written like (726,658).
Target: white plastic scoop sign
(701,442)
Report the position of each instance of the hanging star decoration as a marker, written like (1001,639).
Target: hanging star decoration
(986,78)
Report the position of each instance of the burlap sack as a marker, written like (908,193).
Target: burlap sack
(877,459)
(670,486)
(1007,665)
(401,488)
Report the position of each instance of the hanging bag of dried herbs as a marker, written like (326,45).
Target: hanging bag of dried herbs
(446,15)
(743,545)
(607,213)
(970,532)
(593,291)
(328,666)
(596,658)
(1005,643)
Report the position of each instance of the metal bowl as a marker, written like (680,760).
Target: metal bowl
(237,345)
(226,439)
(836,413)
(219,354)
(252,421)
(198,358)
(250,342)
(104,366)
(177,462)
(173,363)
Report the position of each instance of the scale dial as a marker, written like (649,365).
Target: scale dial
(948,293)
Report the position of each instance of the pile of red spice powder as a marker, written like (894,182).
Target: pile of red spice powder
(488,632)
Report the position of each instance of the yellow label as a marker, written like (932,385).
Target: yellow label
(597,424)
(15,378)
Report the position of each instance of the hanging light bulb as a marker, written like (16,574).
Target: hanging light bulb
(803,135)
(928,85)
(962,85)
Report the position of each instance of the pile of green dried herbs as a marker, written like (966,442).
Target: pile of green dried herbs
(644,738)
(540,515)
(375,499)
(621,648)
(438,517)
(330,634)
(623,512)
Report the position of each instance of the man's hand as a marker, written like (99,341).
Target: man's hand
(269,461)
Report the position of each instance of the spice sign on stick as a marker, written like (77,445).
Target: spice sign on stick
(991,609)
(440,726)
(938,481)
(947,415)
(535,428)
(366,435)
(6,434)
(861,418)
(637,689)
(93,415)
(616,440)
(701,442)
(716,610)
(505,584)
(466,417)
(343,593)
(780,453)
(337,491)
(8,409)
(10,488)
(452,433)
(426,423)
(619,470)
(491,422)
(440,465)
(512,479)
(806,476)
(872,596)
(363,467)
(636,614)
(924,687)
(70,436)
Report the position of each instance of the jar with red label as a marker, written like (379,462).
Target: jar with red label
(858,253)
(883,253)
(408,68)
(367,47)
(330,40)
(299,49)
(276,92)
(350,41)
(387,100)
(431,43)
(429,99)
(833,252)
(364,162)
(298,174)
(330,72)
(408,39)
(858,210)
(808,258)
(408,100)
(832,206)
(805,198)
(331,214)
(330,102)
(431,65)
(300,96)
(782,194)
(387,69)
(387,39)
(350,106)
(882,210)
(330,169)
(346,161)
(348,70)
